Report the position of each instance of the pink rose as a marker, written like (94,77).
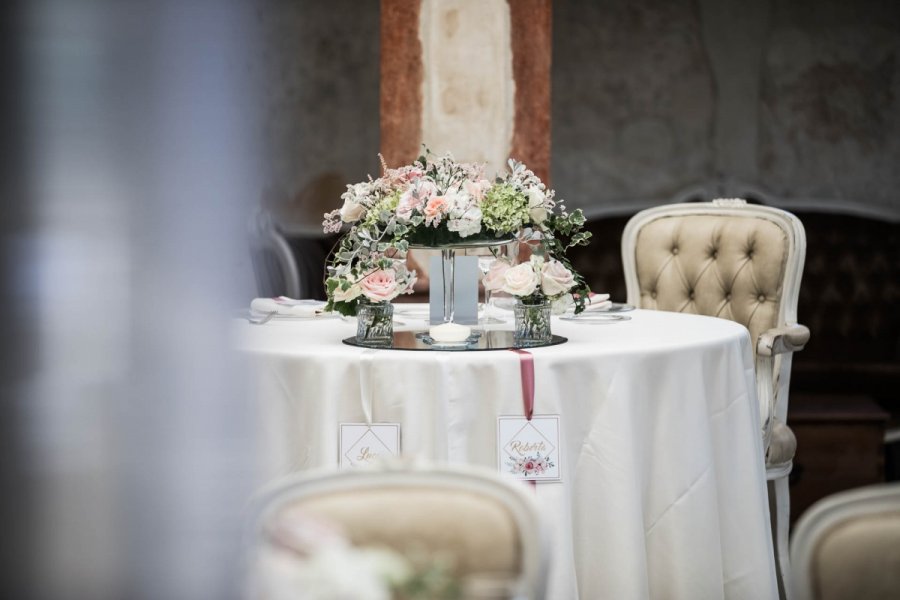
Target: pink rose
(477,189)
(494,279)
(555,278)
(529,465)
(408,201)
(380,286)
(436,207)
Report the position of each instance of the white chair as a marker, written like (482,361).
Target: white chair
(847,546)
(740,262)
(274,264)
(489,526)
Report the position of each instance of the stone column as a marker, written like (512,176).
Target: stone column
(467,76)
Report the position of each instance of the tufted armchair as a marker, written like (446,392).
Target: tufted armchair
(739,262)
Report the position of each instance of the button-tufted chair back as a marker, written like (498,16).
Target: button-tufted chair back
(724,260)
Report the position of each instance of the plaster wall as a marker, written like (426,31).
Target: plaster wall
(794,102)
(468,86)
(318,70)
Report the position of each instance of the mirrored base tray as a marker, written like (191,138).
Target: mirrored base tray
(479,340)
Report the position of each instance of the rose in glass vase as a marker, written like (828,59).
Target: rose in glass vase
(541,286)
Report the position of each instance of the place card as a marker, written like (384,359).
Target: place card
(465,288)
(529,449)
(362,444)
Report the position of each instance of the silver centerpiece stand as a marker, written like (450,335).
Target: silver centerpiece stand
(448,255)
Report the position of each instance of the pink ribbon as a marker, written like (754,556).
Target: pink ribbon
(526,369)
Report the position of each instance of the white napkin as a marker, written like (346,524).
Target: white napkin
(284,306)
(597,302)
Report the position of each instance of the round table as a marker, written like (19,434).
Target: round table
(663,491)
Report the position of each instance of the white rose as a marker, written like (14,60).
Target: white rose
(520,280)
(352,211)
(538,214)
(341,295)
(495,278)
(535,197)
(536,209)
(555,278)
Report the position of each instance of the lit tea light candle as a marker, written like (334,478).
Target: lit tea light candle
(450,332)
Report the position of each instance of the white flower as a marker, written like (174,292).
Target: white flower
(562,304)
(467,224)
(520,280)
(538,214)
(494,279)
(535,197)
(537,205)
(352,211)
(555,278)
(464,227)
(458,202)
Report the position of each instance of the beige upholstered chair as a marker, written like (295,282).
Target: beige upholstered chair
(847,546)
(741,262)
(488,527)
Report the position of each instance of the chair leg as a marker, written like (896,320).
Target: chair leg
(780,509)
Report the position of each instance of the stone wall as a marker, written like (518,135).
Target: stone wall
(794,102)
(319,71)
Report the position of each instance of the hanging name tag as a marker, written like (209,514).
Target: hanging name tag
(362,444)
(529,449)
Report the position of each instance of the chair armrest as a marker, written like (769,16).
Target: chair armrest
(788,338)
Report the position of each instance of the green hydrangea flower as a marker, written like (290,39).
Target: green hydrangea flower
(504,209)
(388,204)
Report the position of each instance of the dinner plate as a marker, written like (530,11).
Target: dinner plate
(596,318)
(253,314)
(413,312)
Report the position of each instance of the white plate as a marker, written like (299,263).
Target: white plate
(596,318)
(414,312)
(252,314)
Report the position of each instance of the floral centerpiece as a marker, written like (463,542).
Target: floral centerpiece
(437,201)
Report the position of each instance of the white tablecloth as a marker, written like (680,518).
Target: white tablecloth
(663,492)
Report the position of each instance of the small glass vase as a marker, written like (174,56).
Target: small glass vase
(532,323)
(375,324)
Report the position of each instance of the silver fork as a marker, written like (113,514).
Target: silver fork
(260,320)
